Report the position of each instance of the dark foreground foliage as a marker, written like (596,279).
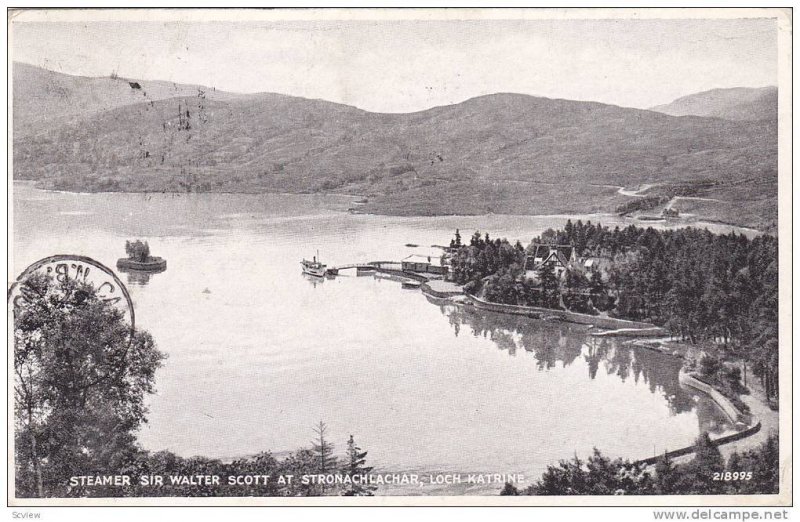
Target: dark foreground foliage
(262,475)
(80,380)
(752,472)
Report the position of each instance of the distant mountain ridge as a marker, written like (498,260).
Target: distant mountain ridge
(501,153)
(738,104)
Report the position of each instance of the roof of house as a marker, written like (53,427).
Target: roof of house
(540,250)
(417,258)
(563,254)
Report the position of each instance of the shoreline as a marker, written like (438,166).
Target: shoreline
(611,326)
(599,216)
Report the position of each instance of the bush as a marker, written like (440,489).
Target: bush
(603,302)
(709,366)
(137,250)
(733,376)
(601,475)
(579,303)
(472,287)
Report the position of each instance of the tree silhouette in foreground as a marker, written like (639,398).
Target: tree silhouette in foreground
(323,452)
(355,467)
(80,379)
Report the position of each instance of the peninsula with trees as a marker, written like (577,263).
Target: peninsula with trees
(711,290)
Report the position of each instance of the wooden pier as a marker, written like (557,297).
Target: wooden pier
(385,267)
(372,266)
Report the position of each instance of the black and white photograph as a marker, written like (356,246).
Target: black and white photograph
(375,256)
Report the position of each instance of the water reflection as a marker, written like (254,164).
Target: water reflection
(139,277)
(316,280)
(558,343)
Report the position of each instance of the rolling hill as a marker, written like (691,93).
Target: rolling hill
(502,153)
(738,104)
(43,98)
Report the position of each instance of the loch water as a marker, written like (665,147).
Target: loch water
(259,353)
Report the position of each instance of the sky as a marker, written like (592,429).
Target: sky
(412,65)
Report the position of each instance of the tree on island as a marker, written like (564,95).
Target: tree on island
(80,379)
(137,250)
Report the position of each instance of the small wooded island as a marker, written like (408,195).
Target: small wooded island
(139,258)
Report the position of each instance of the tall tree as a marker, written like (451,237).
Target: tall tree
(698,475)
(549,284)
(323,452)
(667,476)
(763,463)
(356,469)
(456,242)
(79,387)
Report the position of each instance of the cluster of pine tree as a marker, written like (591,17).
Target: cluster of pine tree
(699,285)
(494,269)
(707,473)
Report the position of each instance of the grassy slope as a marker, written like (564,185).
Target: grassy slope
(43,99)
(503,153)
(740,103)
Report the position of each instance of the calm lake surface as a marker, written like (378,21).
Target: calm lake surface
(259,353)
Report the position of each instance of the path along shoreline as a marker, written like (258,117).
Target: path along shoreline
(749,423)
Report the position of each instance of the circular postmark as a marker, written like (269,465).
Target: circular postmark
(84,269)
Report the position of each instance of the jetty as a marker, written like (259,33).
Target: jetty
(371,266)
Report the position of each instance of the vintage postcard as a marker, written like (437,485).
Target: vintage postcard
(399,257)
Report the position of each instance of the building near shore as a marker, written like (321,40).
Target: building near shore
(557,256)
(424,264)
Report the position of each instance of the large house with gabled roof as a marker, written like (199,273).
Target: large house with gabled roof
(557,256)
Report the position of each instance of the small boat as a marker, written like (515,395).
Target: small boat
(313,267)
(411,284)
